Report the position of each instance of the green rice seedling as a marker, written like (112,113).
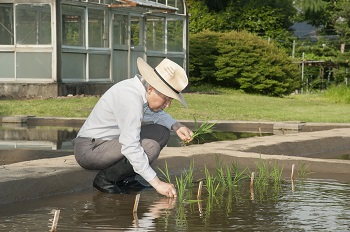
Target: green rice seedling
(181,187)
(229,199)
(220,173)
(239,175)
(189,175)
(166,173)
(229,181)
(263,173)
(276,173)
(210,183)
(204,128)
(302,173)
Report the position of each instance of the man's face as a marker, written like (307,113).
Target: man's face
(156,100)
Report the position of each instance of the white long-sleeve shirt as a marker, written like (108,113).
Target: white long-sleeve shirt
(119,114)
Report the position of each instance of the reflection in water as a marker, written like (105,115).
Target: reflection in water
(18,136)
(314,205)
(59,138)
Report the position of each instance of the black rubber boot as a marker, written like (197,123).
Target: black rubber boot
(106,186)
(111,179)
(134,183)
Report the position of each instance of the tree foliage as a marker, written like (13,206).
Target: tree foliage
(203,54)
(243,61)
(261,17)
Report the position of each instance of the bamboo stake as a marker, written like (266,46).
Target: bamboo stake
(292,175)
(136,219)
(252,194)
(200,190)
(200,208)
(252,180)
(134,211)
(55,221)
(136,204)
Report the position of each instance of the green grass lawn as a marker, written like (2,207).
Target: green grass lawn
(225,105)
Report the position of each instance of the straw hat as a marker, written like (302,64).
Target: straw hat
(168,78)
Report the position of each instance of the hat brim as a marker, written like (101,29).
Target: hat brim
(148,73)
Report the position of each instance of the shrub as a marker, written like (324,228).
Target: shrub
(241,60)
(203,54)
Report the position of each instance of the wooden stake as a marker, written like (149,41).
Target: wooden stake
(136,219)
(260,131)
(200,190)
(55,221)
(252,180)
(200,208)
(136,204)
(252,194)
(292,175)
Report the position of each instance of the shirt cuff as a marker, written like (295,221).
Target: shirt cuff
(176,126)
(148,174)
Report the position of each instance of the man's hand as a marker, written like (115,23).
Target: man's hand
(163,188)
(184,133)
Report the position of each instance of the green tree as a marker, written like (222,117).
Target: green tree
(341,17)
(249,63)
(261,17)
(203,54)
(241,60)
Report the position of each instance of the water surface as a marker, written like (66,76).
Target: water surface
(314,205)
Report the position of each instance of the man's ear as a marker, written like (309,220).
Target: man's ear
(149,88)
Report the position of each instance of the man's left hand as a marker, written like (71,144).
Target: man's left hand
(184,133)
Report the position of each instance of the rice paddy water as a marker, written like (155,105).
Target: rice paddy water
(271,205)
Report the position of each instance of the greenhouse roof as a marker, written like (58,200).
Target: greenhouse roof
(142,3)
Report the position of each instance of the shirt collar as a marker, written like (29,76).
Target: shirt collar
(140,88)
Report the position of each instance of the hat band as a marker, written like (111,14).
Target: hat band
(165,82)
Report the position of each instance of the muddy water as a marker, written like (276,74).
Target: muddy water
(314,205)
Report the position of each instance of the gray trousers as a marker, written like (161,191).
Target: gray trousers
(97,154)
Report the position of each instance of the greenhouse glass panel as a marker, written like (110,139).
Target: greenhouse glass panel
(175,35)
(6,24)
(155,34)
(73,66)
(34,65)
(181,6)
(153,61)
(98,28)
(73,27)
(135,31)
(98,66)
(120,29)
(120,62)
(33,24)
(7,65)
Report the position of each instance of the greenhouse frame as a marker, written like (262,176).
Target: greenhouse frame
(51,48)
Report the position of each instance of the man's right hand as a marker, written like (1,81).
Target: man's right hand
(163,188)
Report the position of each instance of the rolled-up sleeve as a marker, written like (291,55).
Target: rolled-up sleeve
(160,117)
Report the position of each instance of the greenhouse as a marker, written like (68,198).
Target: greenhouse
(51,48)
